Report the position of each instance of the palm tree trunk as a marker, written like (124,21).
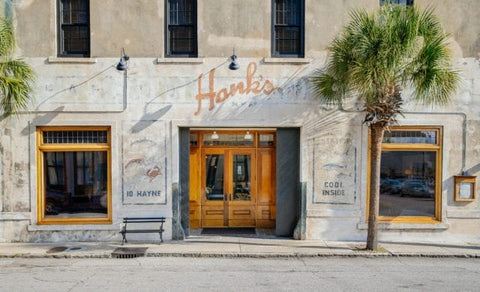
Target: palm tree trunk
(376,137)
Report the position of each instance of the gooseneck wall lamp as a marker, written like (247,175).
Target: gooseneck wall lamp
(234,65)
(122,64)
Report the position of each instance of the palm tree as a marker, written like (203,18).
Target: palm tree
(16,76)
(376,56)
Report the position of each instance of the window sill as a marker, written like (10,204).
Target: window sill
(293,61)
(70,60)
(406,226)
(174,60)
(111,227)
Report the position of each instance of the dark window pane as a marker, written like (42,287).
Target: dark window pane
(182,39)
(76,184)
(407,183)
(76,39)
(75,28)
(214,177)
(287,40)
(182,27)
(288,27)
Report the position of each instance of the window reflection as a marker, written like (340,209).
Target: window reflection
(76,183)
(214,177)
(407,183)
(241,177)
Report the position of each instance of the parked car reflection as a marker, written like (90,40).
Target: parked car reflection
(407,187)
(416,188)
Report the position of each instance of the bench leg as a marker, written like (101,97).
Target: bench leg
(124,240)
(161,232)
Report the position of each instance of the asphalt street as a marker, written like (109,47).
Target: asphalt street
(241,274)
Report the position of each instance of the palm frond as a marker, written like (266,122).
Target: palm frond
(16,95)
(433,79)
(7,38)
(16,76)
(326,88)
(377,54)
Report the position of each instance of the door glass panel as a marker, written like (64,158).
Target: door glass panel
(214,177)
(241,177)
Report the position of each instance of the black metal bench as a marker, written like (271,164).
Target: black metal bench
(135,220)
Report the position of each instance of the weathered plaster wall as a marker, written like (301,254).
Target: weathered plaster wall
(160,98)
(245,25)
(152,100)
(462,20)
(241,24)
(35,27)
(115,24)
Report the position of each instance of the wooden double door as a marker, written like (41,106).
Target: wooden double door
(229,187)
(232,187)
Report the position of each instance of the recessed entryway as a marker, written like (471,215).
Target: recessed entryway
(232,178)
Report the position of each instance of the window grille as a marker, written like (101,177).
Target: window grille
(74,22)
(227,140)
(182,28)
(399,2)
(288,28)
(74,137)
(410,137)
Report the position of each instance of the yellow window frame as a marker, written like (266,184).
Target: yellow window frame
(437,148)
(42,148)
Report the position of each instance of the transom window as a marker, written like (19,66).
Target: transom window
(74,28)
(288,28)
(410,175)
(227,140)
(181,28)
(400,2)
(74,175)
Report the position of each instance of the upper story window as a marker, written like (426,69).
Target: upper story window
(400,2)
(181,28)
(74,28)
(288,28)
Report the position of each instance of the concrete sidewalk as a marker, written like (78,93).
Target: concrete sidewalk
(233,246)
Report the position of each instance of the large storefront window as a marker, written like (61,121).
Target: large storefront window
(74,175)
(410,175)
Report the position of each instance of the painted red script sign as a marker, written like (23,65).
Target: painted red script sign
(252,84)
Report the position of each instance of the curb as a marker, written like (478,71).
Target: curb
(245,255)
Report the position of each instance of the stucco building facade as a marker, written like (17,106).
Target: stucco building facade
(180,135)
